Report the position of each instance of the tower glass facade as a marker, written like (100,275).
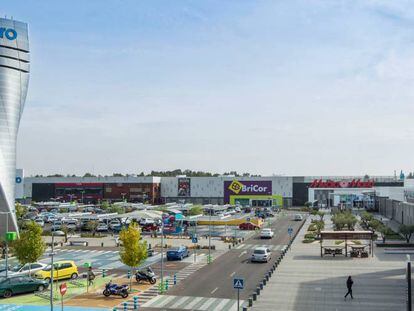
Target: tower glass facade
(14,80)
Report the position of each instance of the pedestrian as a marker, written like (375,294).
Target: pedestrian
(91,276)
(349,283)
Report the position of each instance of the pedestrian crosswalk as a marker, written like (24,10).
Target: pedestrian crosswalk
(101,259)
(253,246)
(153,292)
(192,303)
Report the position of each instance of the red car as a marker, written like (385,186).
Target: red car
(248,226)
(149,228)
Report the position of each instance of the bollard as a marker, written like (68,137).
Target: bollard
(264,281)
(125,306)
(114,309)
(149,245)
(258,290)
(251,301)
(254,296)
(166,284)
(267,277)
(129,274)
(103,273)
(261,285)
(229,246)
(135,302)
(102,244)
(175,278)
(244,308)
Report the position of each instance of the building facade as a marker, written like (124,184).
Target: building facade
(14,81)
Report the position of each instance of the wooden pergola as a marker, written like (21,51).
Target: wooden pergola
(348,236)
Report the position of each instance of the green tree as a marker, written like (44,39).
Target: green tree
(365,219)
(384,230)
(374,225)
(321,215)
(407,231)
(91,225)
(29,247)
(320,225)
(20,210)
(105,205)
(195,210)
(133,250)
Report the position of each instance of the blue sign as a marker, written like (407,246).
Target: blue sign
(238,283)
(18,180)
(9,33)
(248,219)
(290,230)
(194,239)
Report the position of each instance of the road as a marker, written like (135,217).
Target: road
(216,280)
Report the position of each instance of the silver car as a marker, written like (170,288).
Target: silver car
(25,270)
(261,254)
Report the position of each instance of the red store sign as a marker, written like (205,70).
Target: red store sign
(355,183)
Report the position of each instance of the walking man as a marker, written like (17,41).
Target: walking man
(91,276)
(349,283)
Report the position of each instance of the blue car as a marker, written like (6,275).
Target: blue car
(177,253)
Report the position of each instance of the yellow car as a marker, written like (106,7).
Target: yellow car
(65,269)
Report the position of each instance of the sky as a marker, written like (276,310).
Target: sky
(267,87)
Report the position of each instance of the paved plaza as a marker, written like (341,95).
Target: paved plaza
(305,281)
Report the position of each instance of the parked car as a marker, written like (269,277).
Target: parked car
(71,224)
(56,225)
(102,227)
(115,224)
(248,226)
(24,270)
(150,227)
(146,221)
(298,217)
(20,285)
(266,233)
(261,254)
(177,253)
(65,269)
(40,221)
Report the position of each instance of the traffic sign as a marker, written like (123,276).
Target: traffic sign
(290,230)
(63,288)
(248,219)
(238,283)
(194,240)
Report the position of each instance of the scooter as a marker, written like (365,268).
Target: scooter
(116,290)
(148,275)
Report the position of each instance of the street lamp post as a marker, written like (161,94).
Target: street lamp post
(209,237)
(162,253)
(51,267)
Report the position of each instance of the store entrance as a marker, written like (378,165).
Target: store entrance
(242,202)
(262,203)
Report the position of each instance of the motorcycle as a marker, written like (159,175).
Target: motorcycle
(116,290)
(148,275)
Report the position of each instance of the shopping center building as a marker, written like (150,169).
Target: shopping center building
(252,191)
(14,80)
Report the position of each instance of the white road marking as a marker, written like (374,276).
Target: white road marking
(242,253)
(214,290)
(233,273)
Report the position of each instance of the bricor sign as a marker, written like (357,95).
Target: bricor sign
(247,187)
(354,183)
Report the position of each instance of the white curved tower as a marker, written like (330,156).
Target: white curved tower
(14,80)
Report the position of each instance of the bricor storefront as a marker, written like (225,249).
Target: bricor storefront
(256,193)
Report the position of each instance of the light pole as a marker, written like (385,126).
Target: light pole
(162,253)
(7,239)
(209,236)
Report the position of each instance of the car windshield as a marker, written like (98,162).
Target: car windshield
(259,251)
(16,268)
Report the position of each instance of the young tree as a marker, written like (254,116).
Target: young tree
(29,247)
(374,225)
(384,230)
(20,210)
(92,225)
(320,224)
(365,219)
(195,210)
(133,251)
(321,215)
(407,231)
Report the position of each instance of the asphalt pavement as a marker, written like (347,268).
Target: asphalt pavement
(212,285)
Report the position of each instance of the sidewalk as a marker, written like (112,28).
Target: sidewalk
(305,281)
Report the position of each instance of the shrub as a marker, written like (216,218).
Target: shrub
(312,227)
(356,242)
(308,241)
(310,236)
(338,242)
